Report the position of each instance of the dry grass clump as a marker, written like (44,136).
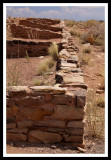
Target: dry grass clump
(95,119)
(86,50)
(45,66)
(75,33)
(53,51)
(84,59)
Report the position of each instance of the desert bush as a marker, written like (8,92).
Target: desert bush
(70,23)
(95,120)
(99,42)
(75,33)
(53,51)
(45,66)
(83,38)
(84,59)
(90,23)
(86,50)
(14,76)
(100,102)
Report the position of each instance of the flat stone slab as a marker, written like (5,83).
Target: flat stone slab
(73,78)
(69,65)
(49,89)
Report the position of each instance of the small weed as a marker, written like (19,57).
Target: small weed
(14,76)
(53,51)
(27,57)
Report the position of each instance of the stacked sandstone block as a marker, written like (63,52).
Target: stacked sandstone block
(44,114)
(32,35)
(35,29)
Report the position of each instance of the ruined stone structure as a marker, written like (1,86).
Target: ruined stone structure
(33,36)
(50,114)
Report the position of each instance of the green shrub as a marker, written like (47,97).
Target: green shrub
(53,51)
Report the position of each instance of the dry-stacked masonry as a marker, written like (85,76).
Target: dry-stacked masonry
(33,36)
(50,114)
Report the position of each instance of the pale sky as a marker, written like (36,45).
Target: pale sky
(58,12)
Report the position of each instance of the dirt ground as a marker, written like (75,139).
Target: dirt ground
(27,71)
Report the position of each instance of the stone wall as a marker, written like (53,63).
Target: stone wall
(50,114)
(18,48)
(43,26)
(19,31)
(44,114)
(33,35)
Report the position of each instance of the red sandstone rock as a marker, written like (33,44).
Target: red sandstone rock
(76,124)
(63,112)
(45,137)
(16,137)
(11,125)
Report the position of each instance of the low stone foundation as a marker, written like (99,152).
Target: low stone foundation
(45,114)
